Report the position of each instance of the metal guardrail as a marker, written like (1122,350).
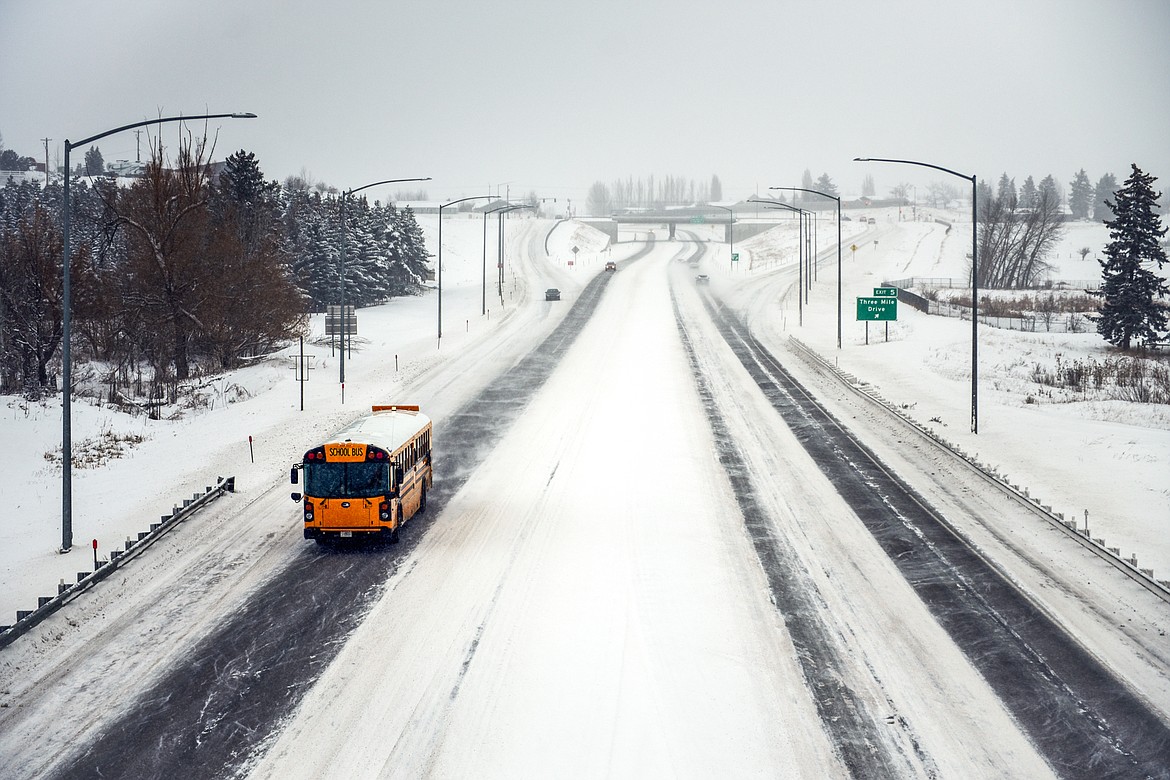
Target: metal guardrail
(1112,555)
(47,605)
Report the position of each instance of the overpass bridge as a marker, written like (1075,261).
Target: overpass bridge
(733,229)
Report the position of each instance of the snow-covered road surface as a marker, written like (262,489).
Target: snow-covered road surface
(590,602)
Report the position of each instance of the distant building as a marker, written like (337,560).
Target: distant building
(127,168)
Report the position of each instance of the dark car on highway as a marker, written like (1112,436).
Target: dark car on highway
(552,294)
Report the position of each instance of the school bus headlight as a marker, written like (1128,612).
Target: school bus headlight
(308,515)
(384,510)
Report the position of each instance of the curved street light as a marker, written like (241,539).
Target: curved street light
(483,294)
(500,226)
(775,205)
(837,199)
(341,211)
(439,266)
(66,318)
(974,274)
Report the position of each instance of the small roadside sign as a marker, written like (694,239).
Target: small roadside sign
(885,292)
(869,309)
(735,257)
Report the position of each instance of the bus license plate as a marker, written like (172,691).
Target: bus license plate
(345,534)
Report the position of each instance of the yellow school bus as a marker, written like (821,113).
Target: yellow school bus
(370,479)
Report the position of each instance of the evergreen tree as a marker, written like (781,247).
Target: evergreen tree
(1080,195)
(716,193)
(11,161)
(806,181)
(241,196)
(1006,192)
(1049,192)
(825,184)
(95,165)
(241,179)
(868,189)
(1131,287)
(1101,195)
(1028,194)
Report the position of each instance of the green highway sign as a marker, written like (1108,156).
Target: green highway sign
(698,220)
(735,257)
(877,309)
(885,292)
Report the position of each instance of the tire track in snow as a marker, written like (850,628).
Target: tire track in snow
(857,738)
(1081,718)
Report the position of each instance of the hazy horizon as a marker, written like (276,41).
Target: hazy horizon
(550,97)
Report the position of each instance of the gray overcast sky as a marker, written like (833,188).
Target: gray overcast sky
(553,96)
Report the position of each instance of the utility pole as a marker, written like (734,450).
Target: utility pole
(46,140)
(137,146)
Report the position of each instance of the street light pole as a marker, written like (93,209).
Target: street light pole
(800,246)
(974,273)
(439,268)
(341,210)
(837,199)
(500,225)
(483,293)
(66,320)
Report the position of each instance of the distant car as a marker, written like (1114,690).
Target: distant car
(552,294)
(611,266)
(872,221)
(846,218)
(702,279)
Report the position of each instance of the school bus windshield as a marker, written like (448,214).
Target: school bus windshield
(346,480)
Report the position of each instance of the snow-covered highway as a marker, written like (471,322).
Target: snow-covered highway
(588,598)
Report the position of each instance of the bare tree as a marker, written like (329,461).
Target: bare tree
(901,190)
(597,201)
(30,297)
(165,216)
(941,193)
(1014,242)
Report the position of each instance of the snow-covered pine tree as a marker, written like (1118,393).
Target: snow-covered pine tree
(1131,289)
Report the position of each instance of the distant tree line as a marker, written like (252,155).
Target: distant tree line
(182,272)
(650,193)
(1086,201)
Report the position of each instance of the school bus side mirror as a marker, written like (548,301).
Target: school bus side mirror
(293,475)
(296,496)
